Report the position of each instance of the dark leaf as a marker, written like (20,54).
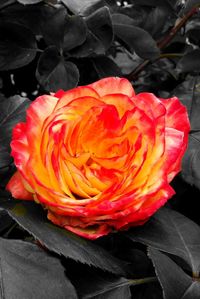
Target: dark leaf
(171,232)
(17,46)
(191,160)
(185,91)
(6,3)
(136,38)
(91,47)
(100,24)
(29,272)
(13,110)
(167,4)
(31,16)
(156,21)
(54,73)
(83,7)
(194,36)
(188,92)
(190,62)
(33,219)
(98,287)
(53,28)
(175,282)
(106,67)
(26,2)
(190,4)
(75,32)
(5,221)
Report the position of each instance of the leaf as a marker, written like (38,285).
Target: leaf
(54,73)
(5,221)
(185,91)
(106,67)
(136,38)
(33,219)
(17,46)
(83,7)
(91,47)
(171,232)
(6,3)
(100,24)
(175,282)
(13,110)
(75,32)
(29,272)
(54,27)
(190,62)
(98,287)
(190,4)
(188,92)
(167,4)
(156,21)
(27,2)
(191,161)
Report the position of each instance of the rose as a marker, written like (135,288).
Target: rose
(98,157)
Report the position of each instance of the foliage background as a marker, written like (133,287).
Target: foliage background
(46,45)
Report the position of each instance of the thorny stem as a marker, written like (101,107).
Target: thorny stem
(164,42)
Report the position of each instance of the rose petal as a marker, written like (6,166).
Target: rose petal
(113,85)
(17,189)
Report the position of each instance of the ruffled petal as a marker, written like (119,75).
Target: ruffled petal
(17,189)
(113,85)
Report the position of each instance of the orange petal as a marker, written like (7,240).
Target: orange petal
(17,189)
(113,85)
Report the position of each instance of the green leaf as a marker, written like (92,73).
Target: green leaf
(174,233)
(33,219)
(13,110)
(29,272)
(75,32)
(106,67)
(137,39)
(190,62)
(17,46)
(54,73)
(83,6)
(100,24)
(175,282)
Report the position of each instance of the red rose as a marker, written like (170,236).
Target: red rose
(99,158)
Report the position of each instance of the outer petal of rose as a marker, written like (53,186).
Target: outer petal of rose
(90,232)
(176,116)
(150,104)
(82,91)
(17,189)
(37,113)
(149,207)
(177,119)
(113,85)
(19,146)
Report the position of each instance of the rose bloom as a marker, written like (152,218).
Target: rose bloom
(99,158)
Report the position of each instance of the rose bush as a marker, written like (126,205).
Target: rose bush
(99,158)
